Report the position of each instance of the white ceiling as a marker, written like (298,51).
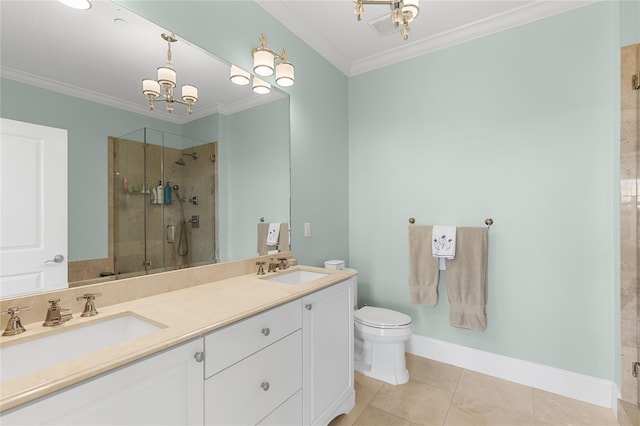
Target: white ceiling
(104,53)
(330,27)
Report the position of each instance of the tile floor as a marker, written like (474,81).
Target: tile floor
(442,394)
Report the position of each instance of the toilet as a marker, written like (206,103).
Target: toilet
(379,338)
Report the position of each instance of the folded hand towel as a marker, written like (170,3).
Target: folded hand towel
(273,234)
(444,241)
(467,280)
(423,268)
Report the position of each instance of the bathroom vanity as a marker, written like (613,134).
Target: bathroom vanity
(243,350)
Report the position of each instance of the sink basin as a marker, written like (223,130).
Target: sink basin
(296,277)
(39,353)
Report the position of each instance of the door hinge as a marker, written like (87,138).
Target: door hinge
(635,368)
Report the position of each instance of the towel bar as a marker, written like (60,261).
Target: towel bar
(488,221)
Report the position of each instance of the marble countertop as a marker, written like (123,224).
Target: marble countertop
(184,314)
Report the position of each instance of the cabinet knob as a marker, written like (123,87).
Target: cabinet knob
(199,356)
(265,386)
(308,306)
(266,331)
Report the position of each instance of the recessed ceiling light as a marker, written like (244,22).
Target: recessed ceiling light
(77,4)
(119,21)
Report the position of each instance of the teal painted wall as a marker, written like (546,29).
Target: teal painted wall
(521,126)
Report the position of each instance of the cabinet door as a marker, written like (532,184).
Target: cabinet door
(164,389)
(328,353)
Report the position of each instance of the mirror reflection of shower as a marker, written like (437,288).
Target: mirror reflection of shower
(177,233)
(180,161)
(183,241)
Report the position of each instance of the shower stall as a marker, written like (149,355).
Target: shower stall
(164,202)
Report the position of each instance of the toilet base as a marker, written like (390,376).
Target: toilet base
(381,361)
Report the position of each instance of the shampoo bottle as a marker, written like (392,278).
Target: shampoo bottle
(159,193)
(167,193)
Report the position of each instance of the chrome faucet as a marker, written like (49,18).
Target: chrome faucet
(56,315)
(14,326)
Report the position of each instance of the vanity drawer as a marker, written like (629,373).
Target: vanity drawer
(249,391)
(288,414)
(229,345)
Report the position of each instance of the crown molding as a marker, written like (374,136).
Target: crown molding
(500,22)
(137,108)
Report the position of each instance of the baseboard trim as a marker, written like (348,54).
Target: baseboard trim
(562,382)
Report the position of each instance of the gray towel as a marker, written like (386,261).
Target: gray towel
(423,268)
(467,280)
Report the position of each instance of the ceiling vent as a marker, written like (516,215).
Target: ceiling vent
(383,26)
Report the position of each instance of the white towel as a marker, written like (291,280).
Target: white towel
(273,234)
(443,241)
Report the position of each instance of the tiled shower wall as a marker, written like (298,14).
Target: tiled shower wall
(134,212)
(629,221)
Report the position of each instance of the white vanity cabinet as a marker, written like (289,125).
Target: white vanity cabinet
(254,367)
(164,389)
(328,353)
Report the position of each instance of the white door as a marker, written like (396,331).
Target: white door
(33,208)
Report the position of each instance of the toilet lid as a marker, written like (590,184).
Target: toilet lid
(381,317)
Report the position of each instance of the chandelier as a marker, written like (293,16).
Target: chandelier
(263,65)
(166,82)
(402,12)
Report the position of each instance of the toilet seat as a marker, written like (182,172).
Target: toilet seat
(381,318)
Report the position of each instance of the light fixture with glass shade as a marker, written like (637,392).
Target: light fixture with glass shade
(402,12)
(260,86)
(166,82)
(263,65)
(239,76)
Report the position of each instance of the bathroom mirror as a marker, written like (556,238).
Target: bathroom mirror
(83,70)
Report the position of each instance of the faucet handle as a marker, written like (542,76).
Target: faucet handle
(14,326)
(260,267)
(15,310)
(89,307)
(283,263)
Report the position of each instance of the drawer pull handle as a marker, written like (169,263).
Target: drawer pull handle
(265,386)
(266,331)
(199,356)
(308,306)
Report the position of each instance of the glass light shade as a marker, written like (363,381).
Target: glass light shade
(411,7)
(189,93)
(263,62)
(261,87)
(285,74)
(167,76)
(77,4)
(239,76)
(150,87)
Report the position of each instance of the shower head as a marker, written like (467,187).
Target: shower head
(180,160)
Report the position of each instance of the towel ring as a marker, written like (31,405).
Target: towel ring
(262,220)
